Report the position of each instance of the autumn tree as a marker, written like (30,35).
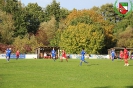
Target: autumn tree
(74,38)
(41,37)
(26,45)
(92,17)
(47,31)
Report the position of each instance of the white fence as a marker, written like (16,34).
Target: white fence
(87,56)
(71,56)
(22,56)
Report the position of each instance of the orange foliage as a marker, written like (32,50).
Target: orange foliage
(79,13)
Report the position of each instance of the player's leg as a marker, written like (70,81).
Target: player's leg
(113,58)
(85,62)
(126,61)
(66,59)
(80,62)
(8,58)
(53,57)
(62,58)
(17,57)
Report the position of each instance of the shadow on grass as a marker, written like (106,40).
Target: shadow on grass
(8,62)
(131,65)
(104,87)
(129,87)
(92,64)
(113,87)
(120,61)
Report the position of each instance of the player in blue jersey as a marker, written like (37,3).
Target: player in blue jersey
(113,54)
(83,57)
(8,53)
(53,54)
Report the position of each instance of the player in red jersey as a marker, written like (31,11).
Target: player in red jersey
(17,54)
(121,55)
(125,56)
(64,55)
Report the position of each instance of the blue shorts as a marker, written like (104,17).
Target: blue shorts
(82,58)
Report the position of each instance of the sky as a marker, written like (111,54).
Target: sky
(71,4)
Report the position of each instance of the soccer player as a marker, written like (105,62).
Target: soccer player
(126,57)
(113,54)
(8,52)
(53,54)
(64,55)
(17,54)
(83,57)
(121,55)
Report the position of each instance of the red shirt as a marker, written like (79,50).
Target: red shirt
(17,53)
(121,54)
(125,54)
(63,54)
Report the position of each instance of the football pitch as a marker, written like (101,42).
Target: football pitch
(45,73)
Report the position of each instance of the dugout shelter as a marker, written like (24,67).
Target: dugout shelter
(45,52)
(118,49)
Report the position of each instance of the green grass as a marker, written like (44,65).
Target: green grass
(42,73)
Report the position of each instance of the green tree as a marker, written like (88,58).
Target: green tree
(125,38)
(56,39)
(34,16)
(123,24)
(53,10)
(6,28)
(109,14)
(64,13)
(16,9)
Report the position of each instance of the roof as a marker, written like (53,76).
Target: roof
(119,48)
(47,47)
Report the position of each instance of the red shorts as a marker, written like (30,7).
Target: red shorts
(17,55)
(125,57)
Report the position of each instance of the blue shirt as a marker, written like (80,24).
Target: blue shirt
(53,53)
(83,52)
(8,52)
(82,55)
(113,53)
